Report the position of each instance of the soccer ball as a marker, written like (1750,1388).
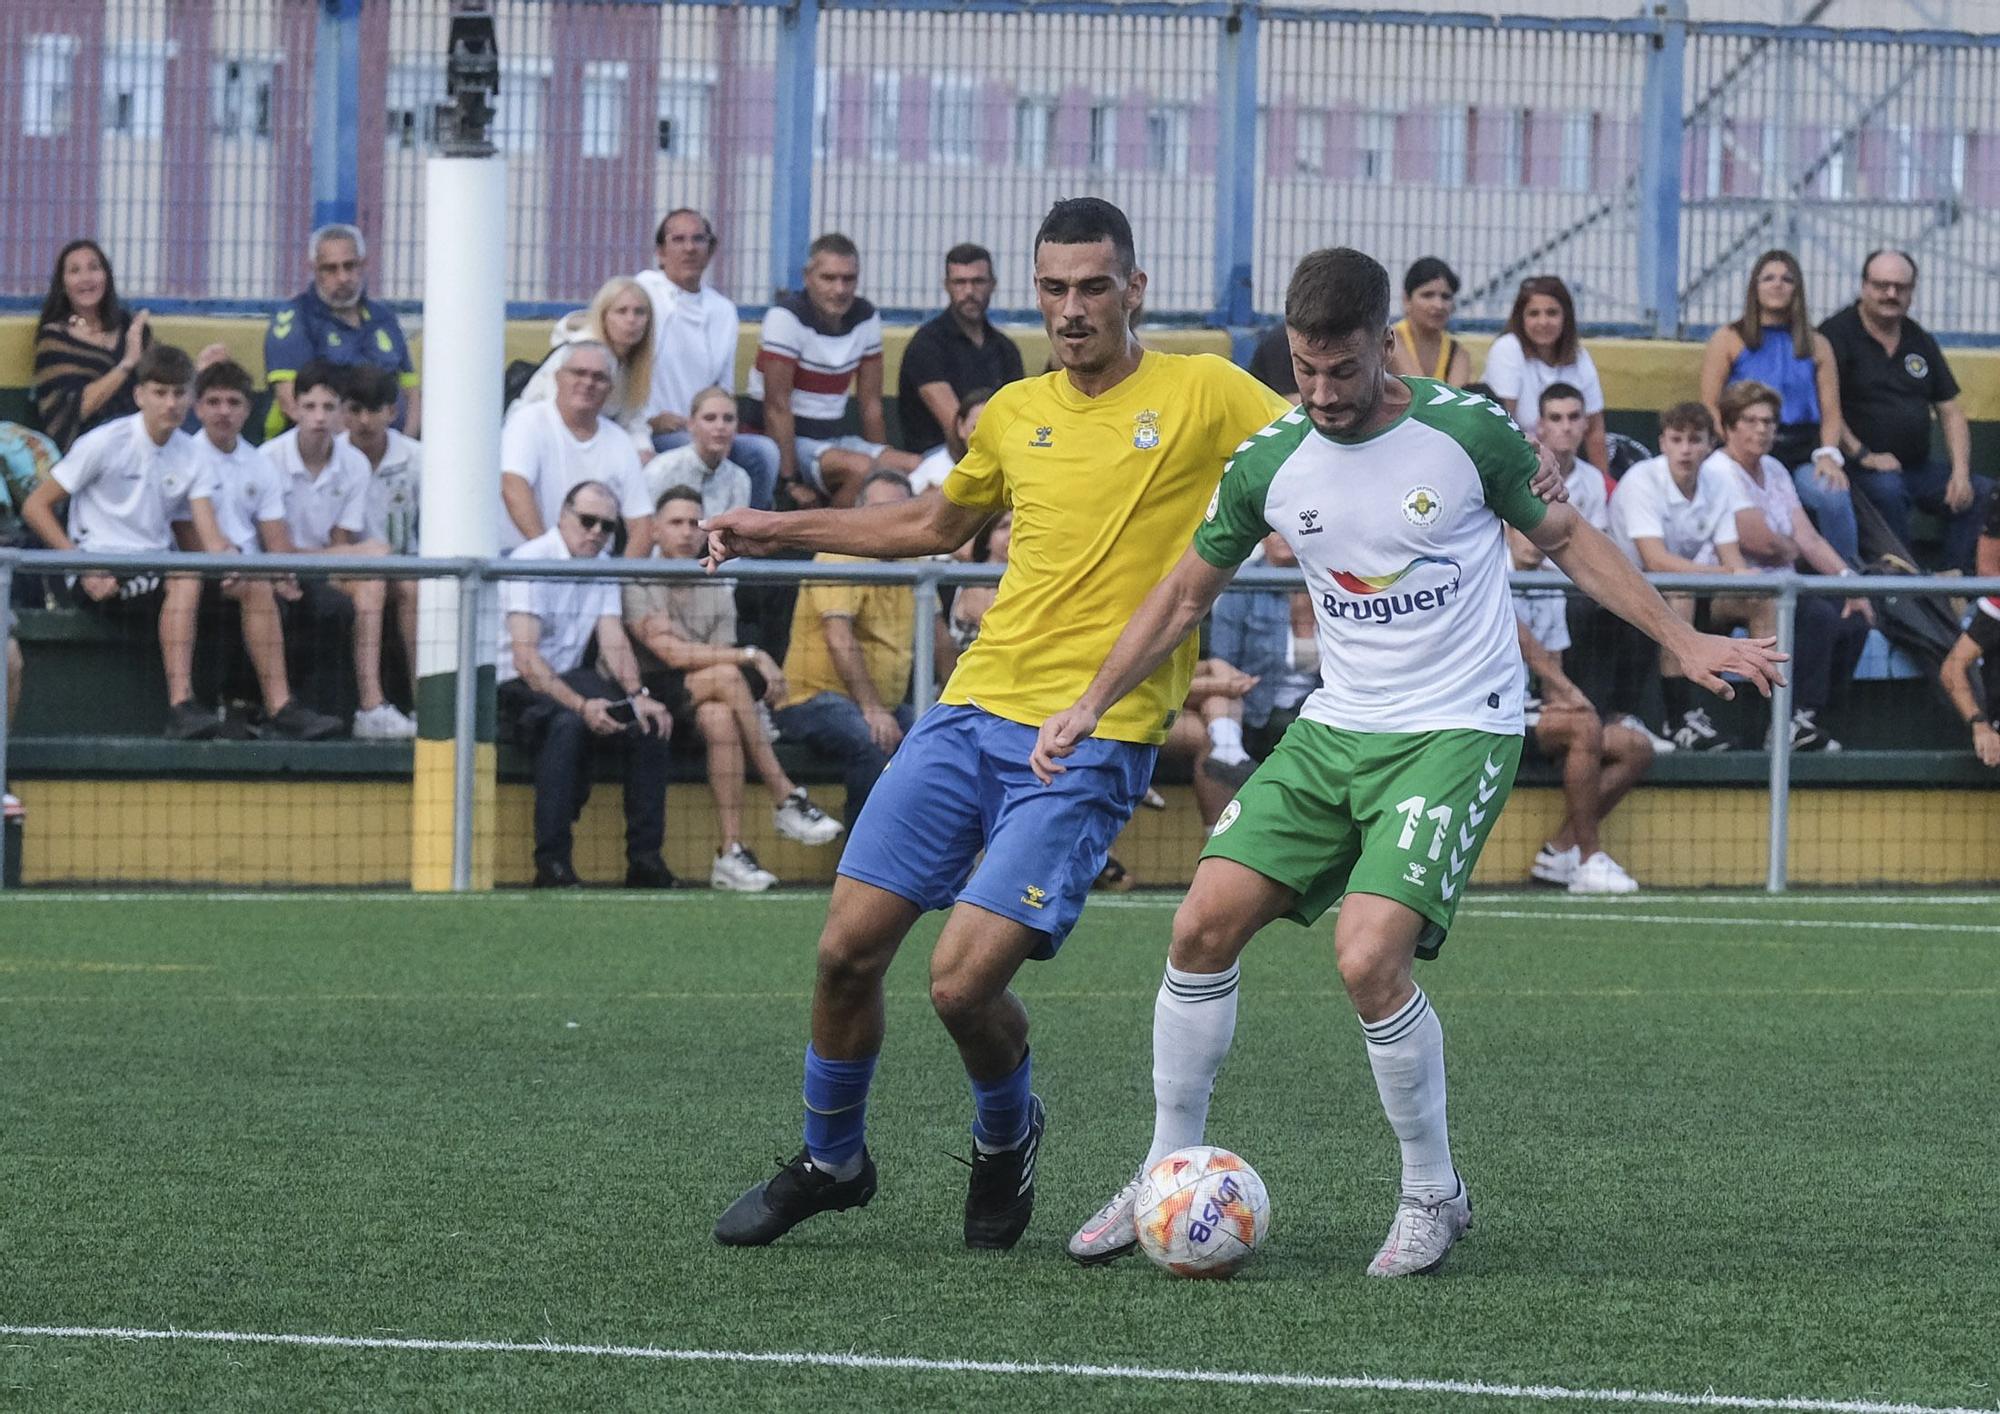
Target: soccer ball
(1201,1212)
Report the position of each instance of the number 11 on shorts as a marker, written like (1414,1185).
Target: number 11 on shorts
(1413,812)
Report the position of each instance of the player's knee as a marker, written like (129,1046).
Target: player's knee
(957,1001)
(848,965)
(1373,976)
(1205,938)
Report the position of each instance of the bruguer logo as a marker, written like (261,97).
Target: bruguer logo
(1377,600)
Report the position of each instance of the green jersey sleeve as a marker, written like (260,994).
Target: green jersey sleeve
(1505,460)
(1234,521)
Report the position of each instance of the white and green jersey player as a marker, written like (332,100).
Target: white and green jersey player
(1392,492)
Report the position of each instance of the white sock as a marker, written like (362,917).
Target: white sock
(1406,1052)
(1194,1020)
(1225,737)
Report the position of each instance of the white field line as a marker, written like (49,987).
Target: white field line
(1915,898)
(921,1365)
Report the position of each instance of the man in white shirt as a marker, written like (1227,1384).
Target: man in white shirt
(395,485)
(249,503)
(125,482)
(694,345)
(547,449)
(326,491)
(1671,515)
(555,708)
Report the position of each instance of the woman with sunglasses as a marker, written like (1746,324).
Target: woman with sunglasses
(1541,347)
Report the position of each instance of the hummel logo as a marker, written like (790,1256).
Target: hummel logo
(1034,896)
(1309,523)
(1414,873)
(1042,436)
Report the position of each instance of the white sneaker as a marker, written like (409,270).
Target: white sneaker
(11,807)
(1601,874)
(383,723)
(1697,733)
(1111,1231)
(797,818)
(737,871)
(766,723)
(1662,746)
(1421,1235)
(1555,866)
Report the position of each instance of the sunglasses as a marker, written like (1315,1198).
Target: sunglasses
(596,525)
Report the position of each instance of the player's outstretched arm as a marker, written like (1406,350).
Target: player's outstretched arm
(1163,620)
(1601,570)
(930,524)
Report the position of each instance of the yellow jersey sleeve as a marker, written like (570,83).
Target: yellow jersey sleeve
(978,483)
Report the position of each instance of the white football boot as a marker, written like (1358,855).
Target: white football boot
(1422,1234)
(1111,1232)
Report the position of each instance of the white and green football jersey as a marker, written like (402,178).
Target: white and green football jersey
(1400,539)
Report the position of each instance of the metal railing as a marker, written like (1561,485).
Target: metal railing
(1646,160)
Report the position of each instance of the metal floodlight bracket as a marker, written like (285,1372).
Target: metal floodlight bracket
(471,81)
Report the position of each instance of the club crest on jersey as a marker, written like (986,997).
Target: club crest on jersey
(1041,438)
(1146,430)
(1228,817)
(1915,365)
(1422,506)
(1309,523)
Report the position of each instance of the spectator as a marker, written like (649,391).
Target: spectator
(10,803)
(703,463)
(1775,344)
(1271,363)
(935,467)
(395,486)
(955,352)
(815,345)
(694,346)
(1424,345)
(847,673)
(970,603)
(620,317)
(691,629)
(554,708)
(1774,536)
(1893,376)
(1672,514)
(547,449)
(25,458)
(331,321)
(1271,637)
(1978,645)
(87,345)
(249,505)
(326,508)
(1208,735)
(1601,762)
(125,481)
(1541,347)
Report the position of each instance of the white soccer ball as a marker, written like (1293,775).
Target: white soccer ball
(1201,1212)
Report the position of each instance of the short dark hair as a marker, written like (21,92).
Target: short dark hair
(583,486)
(966,253)
(973,398)
(1086,220)
(228,375)
(832,243)
(318,373)
(677,493)
(660,231)
(885,477)
(1426,269)
(163,363)
(1688,417)
(1336,293)
(1889,250)
(371,388)
(1558,392)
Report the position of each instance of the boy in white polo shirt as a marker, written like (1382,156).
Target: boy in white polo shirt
(125,482)
(326,506)
(395,485)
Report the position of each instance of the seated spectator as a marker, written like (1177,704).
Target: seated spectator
(326,508)
(1424,345)
(249,505)
(620,317)
(556,709)
(1209,735)
(694,345)
(1271,363)
(1774,535)
(847,673)
(1601,761)
(1541,347)
(1977,647)
(815,345)
(953,353)
(395,486)
(1893,376)
(935,467)
(711,679)
(1272,638)
(331,321)
(703,462)
(1775,344)
(125,482)
(10,803)
(1671,514)
(548,449)
(970,603)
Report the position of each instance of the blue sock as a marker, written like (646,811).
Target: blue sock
(1000,1109)
(836,1107)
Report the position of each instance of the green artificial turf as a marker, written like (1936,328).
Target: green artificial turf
(1705,1155)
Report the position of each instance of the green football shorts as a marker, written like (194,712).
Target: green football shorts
(1399,814)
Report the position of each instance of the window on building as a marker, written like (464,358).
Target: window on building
(1577,168)
(1452,127)
(48,85)
(414,93)
(1309,142)
(517,114)
(684,107)
(885,94)
(952,117)
(1167,139)
(1103,154)
(1034,130)
(1497,146)
(604,109)
(239,100)
(135,89)
(1904,175)
(1378,148)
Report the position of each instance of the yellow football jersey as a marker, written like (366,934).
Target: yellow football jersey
(1106,493)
